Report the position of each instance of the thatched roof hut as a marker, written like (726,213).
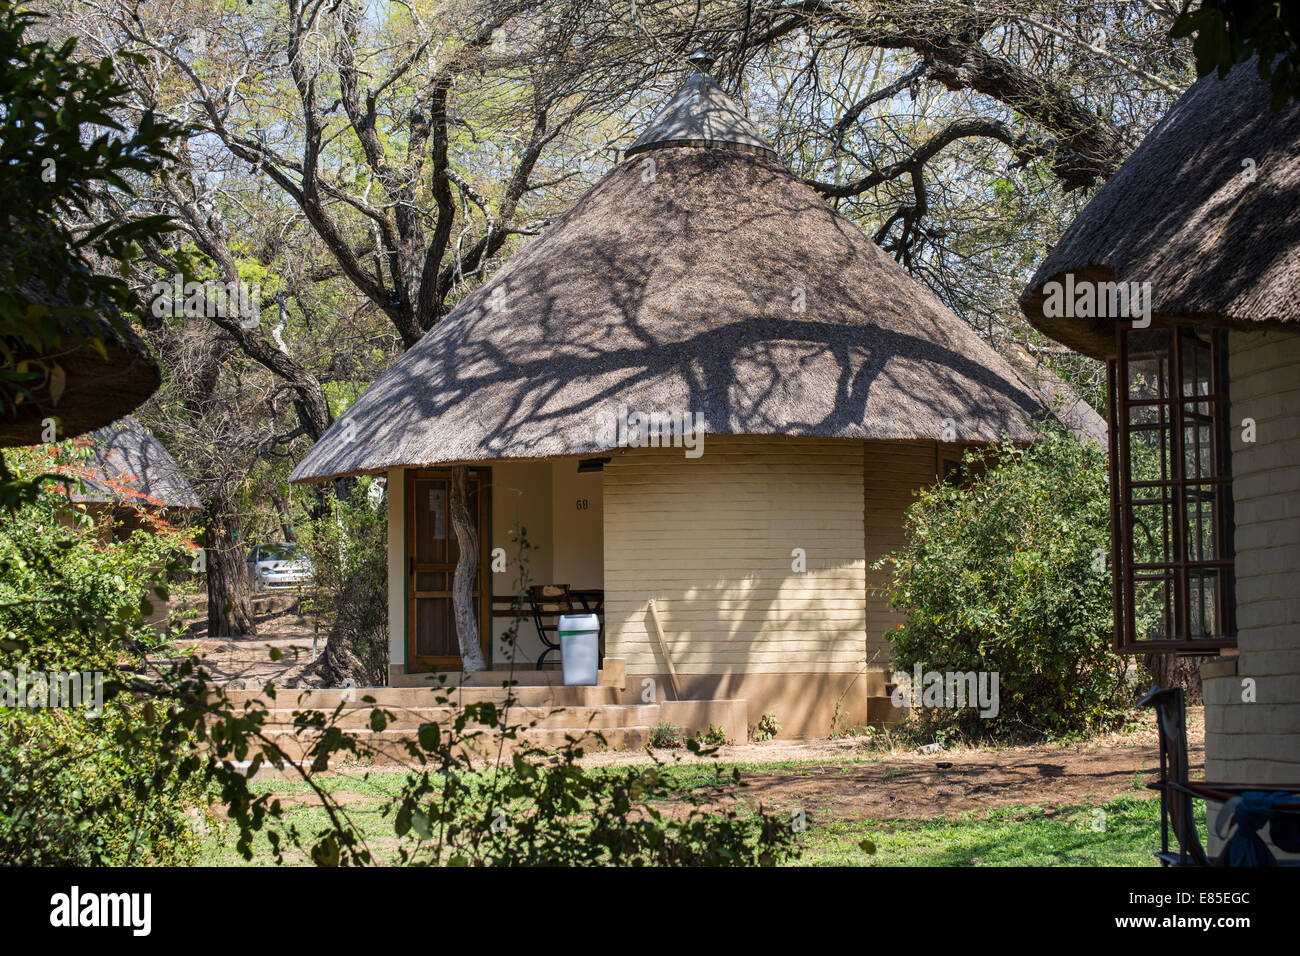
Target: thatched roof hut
(1205,210)
(97,387)
(700,280)
(127,455)
(1207,547)
(698,274)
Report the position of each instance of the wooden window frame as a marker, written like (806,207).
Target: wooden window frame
(1176,568)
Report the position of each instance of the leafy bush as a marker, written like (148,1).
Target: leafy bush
(62,144)
(665,735)
(539,809)
(1009,573)
(715,736)
(767,728)
(77,789)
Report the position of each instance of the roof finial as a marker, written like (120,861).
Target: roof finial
(700,60)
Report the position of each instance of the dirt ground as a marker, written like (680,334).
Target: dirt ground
(279,625)
(841,778)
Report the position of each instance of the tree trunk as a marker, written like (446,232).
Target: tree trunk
(230,606)
(1170,670)
(471,654)
(286,518)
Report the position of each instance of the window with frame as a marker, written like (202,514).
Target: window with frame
(1171,491)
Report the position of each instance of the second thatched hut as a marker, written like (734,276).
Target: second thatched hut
(701,388)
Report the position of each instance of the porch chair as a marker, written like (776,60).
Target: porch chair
(1177,792)
(548,601)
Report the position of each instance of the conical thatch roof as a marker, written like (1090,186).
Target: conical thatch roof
(1206,209)
(98,388)
(128,455)
(701,115)
(689,279)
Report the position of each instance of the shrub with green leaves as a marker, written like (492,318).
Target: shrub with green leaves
(348,546)
(78,788)
(1009,573)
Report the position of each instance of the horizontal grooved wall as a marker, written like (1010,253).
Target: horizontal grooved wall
(711,538)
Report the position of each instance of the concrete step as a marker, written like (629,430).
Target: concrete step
(390,745)
(415,697)
(601,716)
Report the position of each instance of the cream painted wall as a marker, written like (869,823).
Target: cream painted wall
(1261,741)
(893,471)
(711,539)
(579,548)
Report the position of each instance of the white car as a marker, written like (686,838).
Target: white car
(272,566)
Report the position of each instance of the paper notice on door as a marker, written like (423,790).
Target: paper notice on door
(438,511)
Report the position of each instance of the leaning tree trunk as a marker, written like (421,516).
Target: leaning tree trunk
(230,606)
(462,594)
(286,518)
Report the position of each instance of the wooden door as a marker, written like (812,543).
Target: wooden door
(432,552)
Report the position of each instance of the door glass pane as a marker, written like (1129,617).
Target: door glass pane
(433,628)
(1197,445)
(1202,542)
(1196,364)
(431,581)
(1153,606)
(1148,373)
(1203,587)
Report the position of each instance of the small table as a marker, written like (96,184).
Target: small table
(556,599)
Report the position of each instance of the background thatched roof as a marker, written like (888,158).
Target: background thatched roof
(1183,214)
(127,454)
(671,287)
(97,390)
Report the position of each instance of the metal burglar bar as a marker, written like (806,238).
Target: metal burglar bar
(1171,491)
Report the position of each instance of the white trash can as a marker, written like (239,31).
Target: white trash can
(579,648)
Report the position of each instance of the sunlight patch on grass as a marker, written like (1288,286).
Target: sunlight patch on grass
(1127,835)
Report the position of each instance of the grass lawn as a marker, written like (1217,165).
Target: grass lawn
(1123,832)
(1127,835)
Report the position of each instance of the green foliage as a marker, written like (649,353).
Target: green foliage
(542,810)
(665,735)
(767,728)
(78,788)
(1010,574)
(60,141)
(715,736)
(1229,32)
(348,546)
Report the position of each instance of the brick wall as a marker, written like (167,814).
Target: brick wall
(1260,741)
